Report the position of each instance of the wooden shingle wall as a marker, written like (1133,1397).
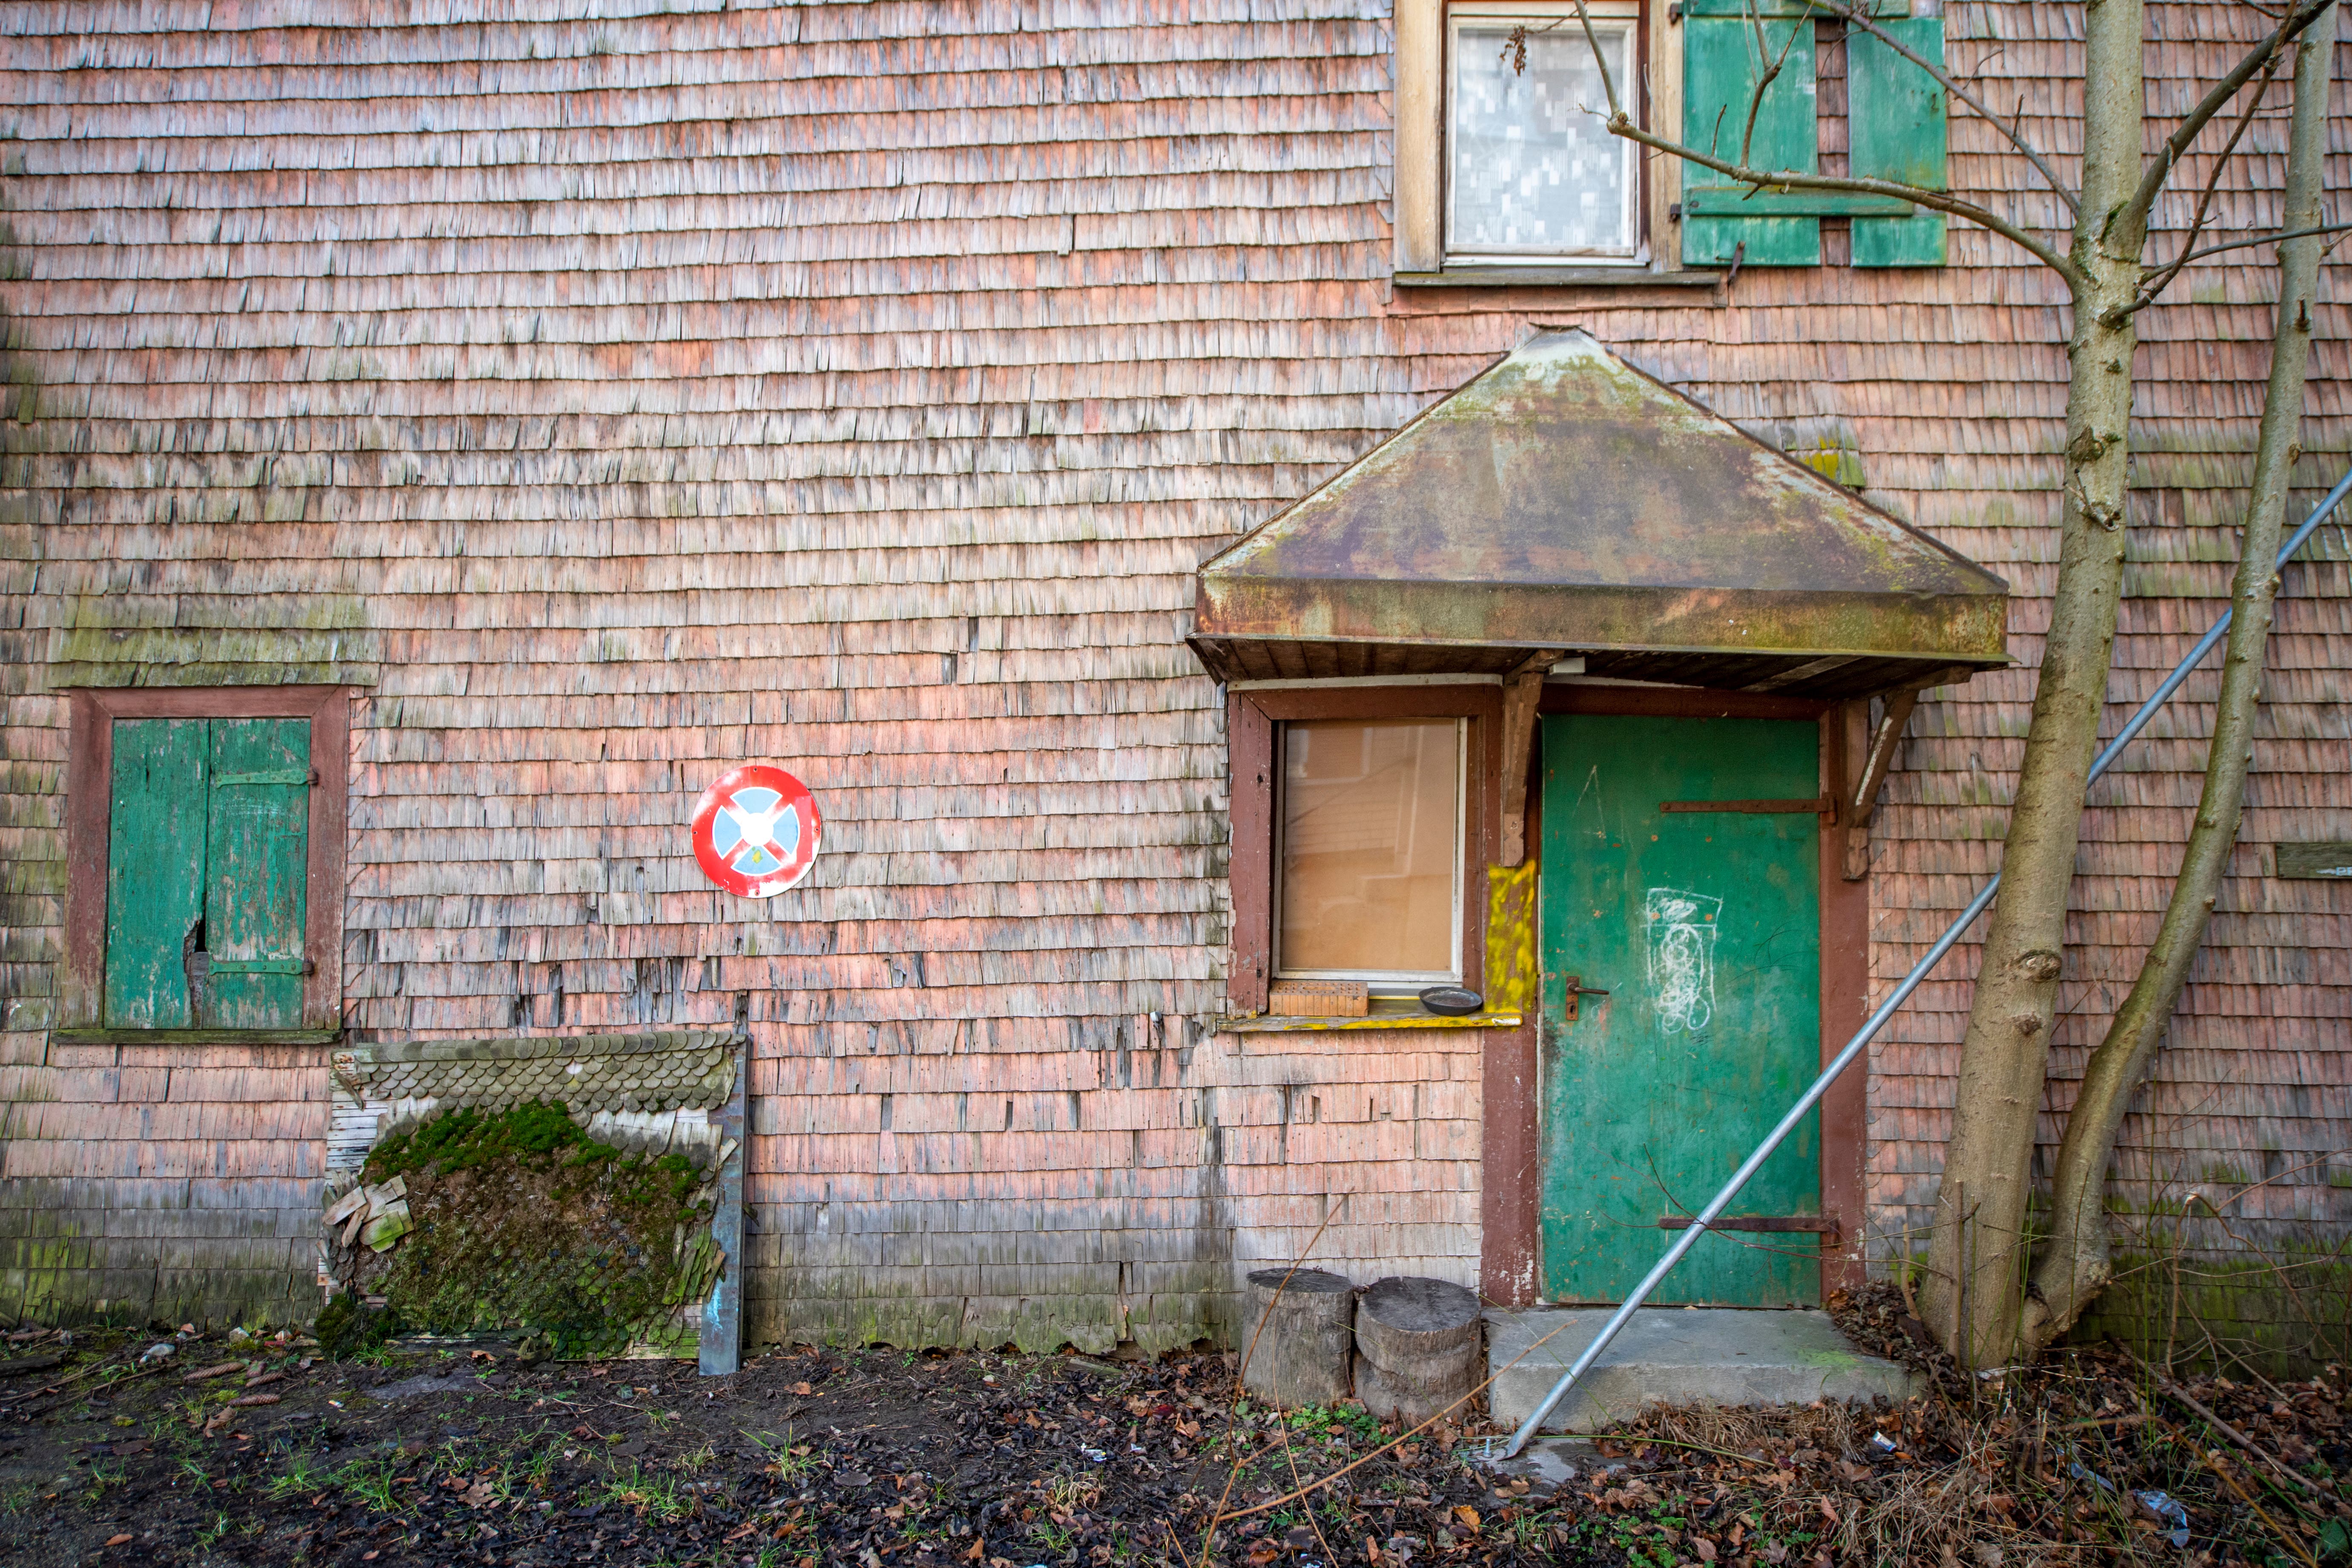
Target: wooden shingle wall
(170,1184)
(629,389)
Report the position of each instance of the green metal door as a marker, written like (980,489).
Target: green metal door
(1703,928)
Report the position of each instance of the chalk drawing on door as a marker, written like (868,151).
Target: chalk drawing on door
(1681,965)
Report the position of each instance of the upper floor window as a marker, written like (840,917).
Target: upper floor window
(1506,175)
(1532,173)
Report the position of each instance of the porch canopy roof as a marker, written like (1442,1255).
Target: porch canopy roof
(1564,501)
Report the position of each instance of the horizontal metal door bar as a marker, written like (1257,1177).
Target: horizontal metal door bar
(1825,805)
(1776,1223)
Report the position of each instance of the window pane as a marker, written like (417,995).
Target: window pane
(1532,171)
(1371,838)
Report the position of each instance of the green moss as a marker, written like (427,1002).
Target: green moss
(523,1221)
(463,1139)
(347,1327)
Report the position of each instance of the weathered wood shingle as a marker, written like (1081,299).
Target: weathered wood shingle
(651,387)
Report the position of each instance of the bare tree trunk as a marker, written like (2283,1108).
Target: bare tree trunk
(2076,1264)
(1975,1261)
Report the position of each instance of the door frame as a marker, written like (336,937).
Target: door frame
(1511,1245)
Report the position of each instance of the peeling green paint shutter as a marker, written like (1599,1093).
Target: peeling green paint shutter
(208,836)
(257,863)
(155,870)
(1719,72)
(1896,115)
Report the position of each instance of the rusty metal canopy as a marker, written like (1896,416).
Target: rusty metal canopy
(1564,499)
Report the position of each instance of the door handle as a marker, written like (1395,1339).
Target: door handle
(1575,987)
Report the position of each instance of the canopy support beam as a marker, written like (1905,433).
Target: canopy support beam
(1522,691)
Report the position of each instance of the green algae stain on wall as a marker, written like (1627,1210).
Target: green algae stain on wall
(121,640)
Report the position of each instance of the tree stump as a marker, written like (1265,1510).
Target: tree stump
(1417,1344)
(1301,1354)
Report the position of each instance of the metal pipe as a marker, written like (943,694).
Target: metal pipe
(1686,1239)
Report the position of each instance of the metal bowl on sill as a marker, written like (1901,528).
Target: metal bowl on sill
(1451,1000)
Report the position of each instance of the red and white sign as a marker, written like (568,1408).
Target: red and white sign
(755,830)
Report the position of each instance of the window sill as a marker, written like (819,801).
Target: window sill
(1278,1026)
(1555,278)
(195,1036)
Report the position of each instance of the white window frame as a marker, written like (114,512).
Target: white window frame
(1380,982)
(1621,17)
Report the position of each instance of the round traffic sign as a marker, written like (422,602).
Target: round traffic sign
(755,830)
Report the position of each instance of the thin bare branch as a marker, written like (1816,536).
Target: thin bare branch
(2162,276)
(2266,239)
(1515,47)
(1599,58)
(1788,179)
(2222,159)
(2160,279)
(2152,182)
(1771,72)
(1858,17)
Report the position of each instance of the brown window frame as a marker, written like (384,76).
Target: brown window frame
(90,801)
(1423,161)
(1252,716)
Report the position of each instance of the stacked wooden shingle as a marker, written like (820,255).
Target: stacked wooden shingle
(635,388)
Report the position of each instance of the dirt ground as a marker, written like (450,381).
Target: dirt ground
(880,1457)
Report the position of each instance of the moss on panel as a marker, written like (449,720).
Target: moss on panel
(519,1220)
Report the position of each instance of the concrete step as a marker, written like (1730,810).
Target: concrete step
(1677,1355)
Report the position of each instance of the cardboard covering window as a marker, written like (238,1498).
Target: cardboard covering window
(1896,123)
(206,870)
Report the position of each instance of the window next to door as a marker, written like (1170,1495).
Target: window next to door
(1363,821)
(204,846)
(1368,870)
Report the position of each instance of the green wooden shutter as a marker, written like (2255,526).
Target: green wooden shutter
(1895,113)
(155,870)
(1719,72)
(257,859)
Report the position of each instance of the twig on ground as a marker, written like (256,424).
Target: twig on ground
(2182,1396)
(2213,1462)
(1209,1536)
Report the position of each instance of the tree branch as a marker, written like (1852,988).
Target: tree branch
(1771,72)
(1621,124)
(2265,240)
(1788,179)
(2152,182)
(1856,16)
(1607,86)
(2149,290)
